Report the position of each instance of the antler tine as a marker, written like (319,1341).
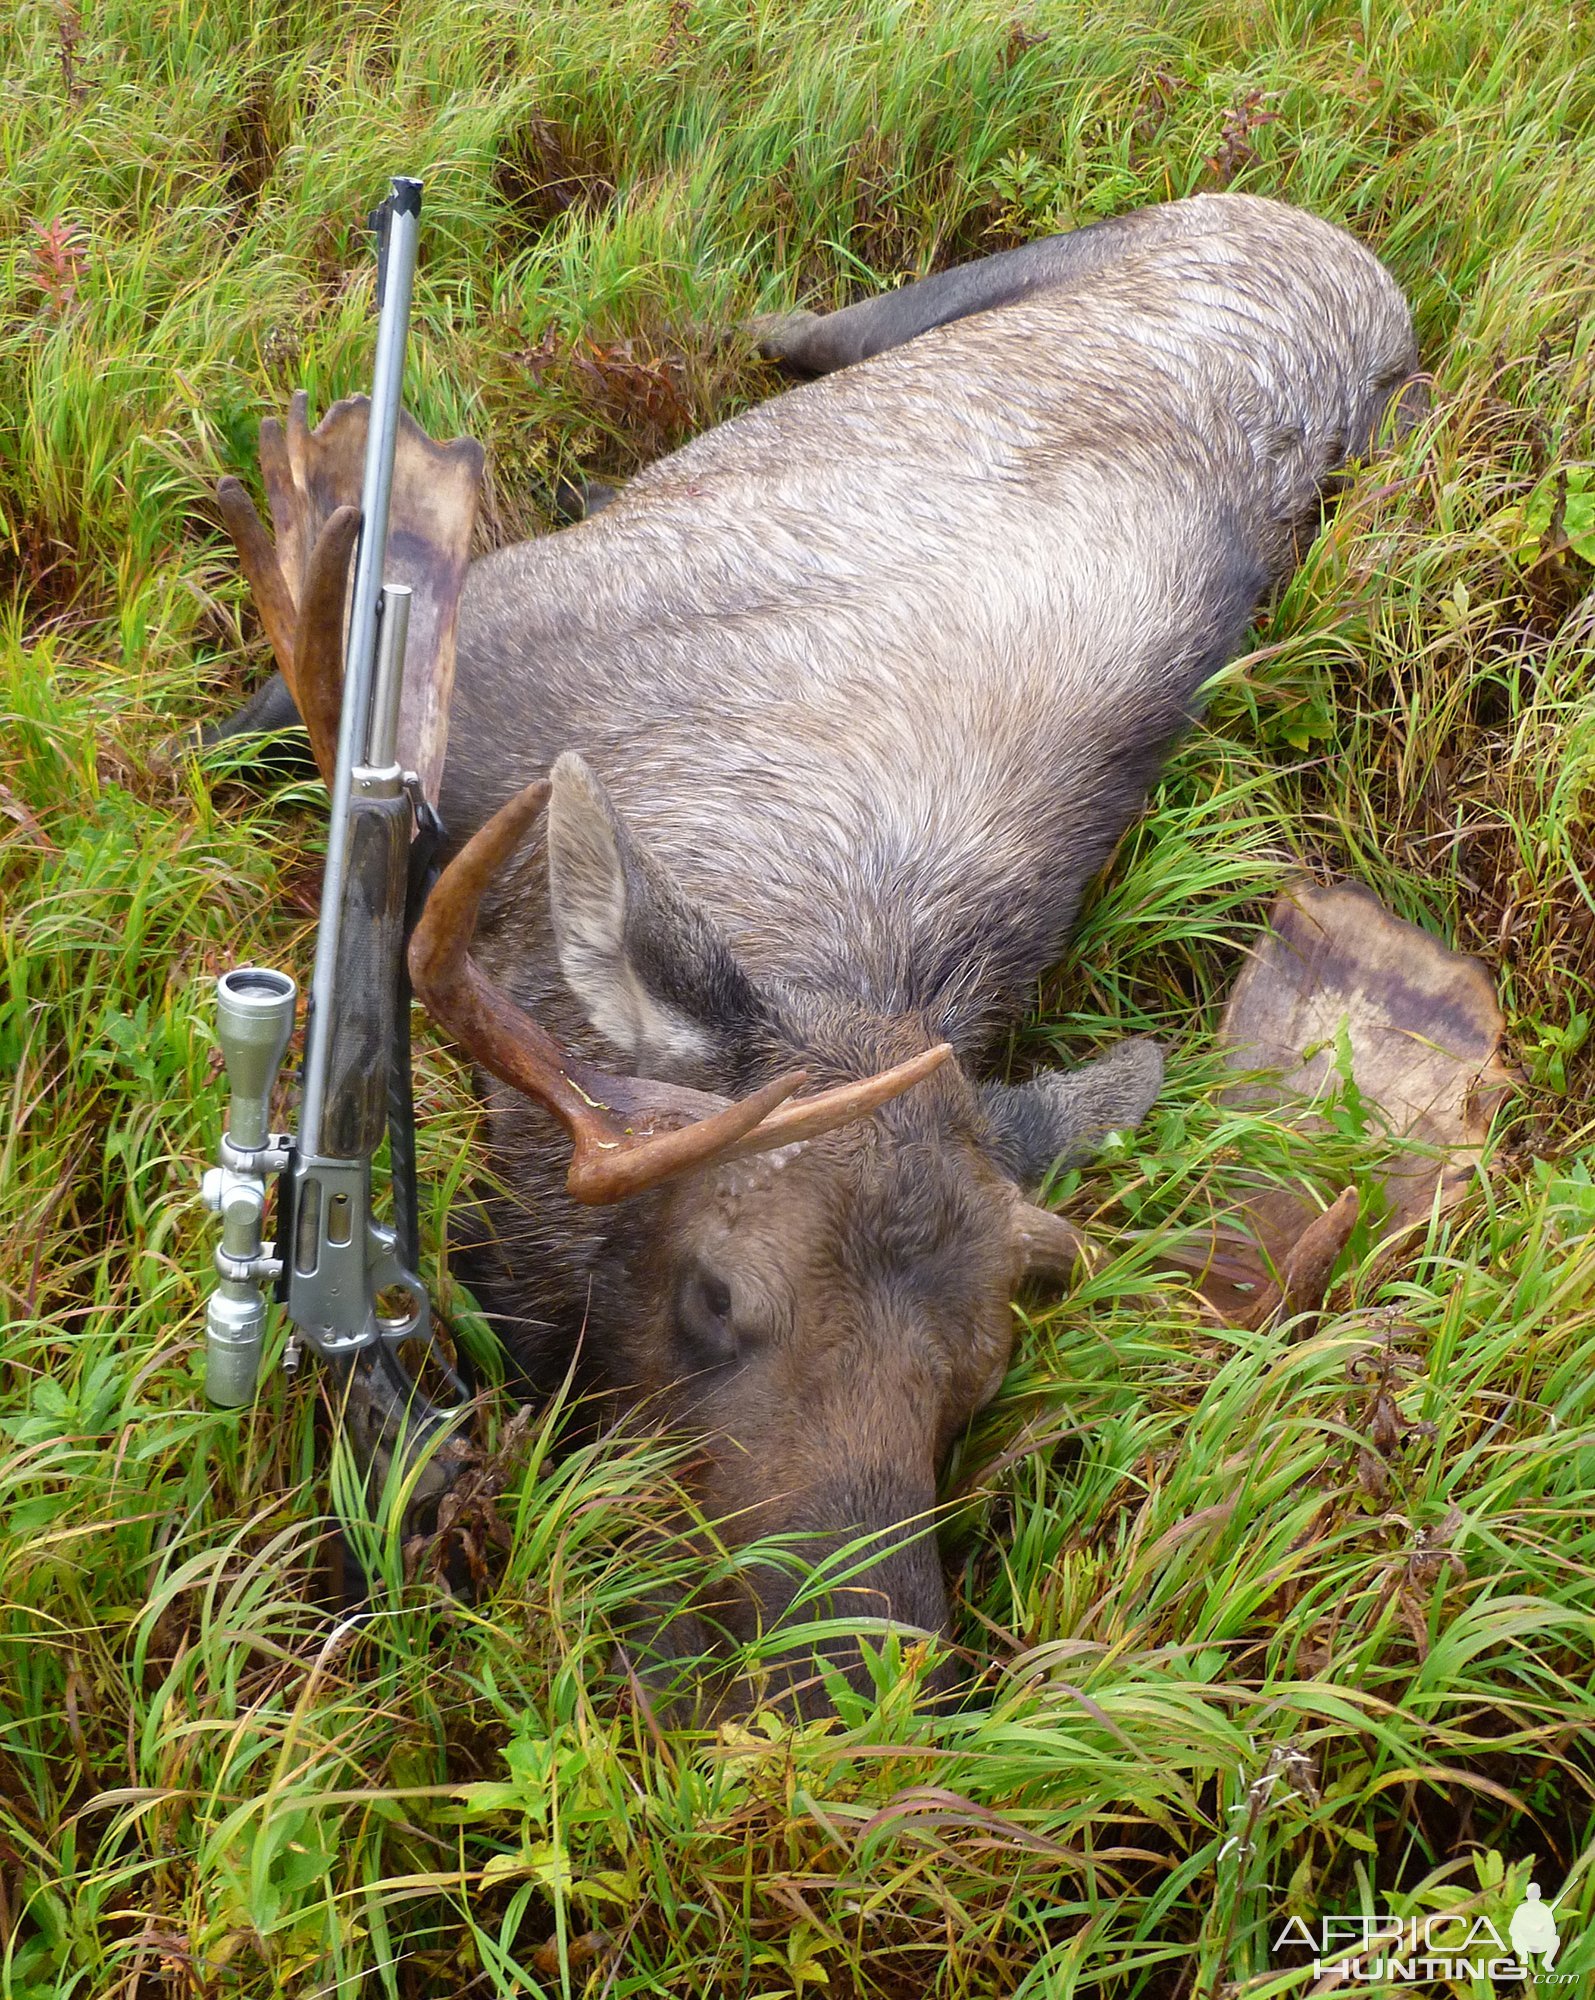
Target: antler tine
(267,584)
(627,1133)
(285,474)
(317,680)
(810,1117)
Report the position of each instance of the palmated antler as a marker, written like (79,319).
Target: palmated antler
(300,582)
(308,648)
(628,1133)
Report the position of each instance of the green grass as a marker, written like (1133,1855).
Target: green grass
(1243,1665)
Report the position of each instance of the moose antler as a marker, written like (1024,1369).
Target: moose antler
(628,1133)
(300,584)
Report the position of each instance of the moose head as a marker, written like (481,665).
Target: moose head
(812,1277)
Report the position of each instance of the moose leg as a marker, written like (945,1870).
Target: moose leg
(269,709)
(815,343)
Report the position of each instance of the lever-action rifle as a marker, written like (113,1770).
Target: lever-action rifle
(349,1281)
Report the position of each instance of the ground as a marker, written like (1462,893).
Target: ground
(1281,1624)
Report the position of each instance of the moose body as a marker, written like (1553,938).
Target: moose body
(845,703)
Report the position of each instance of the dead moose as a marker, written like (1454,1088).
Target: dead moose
(777,783)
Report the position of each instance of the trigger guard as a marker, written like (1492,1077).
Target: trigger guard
(386,1271)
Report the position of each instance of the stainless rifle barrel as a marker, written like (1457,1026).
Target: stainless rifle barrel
(403,226)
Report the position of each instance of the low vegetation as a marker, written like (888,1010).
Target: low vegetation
(1271,1624)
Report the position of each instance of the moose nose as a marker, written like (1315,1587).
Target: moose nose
(869,1553)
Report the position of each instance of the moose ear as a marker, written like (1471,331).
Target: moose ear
(1047,1248)
(652,973)
(1061,1117)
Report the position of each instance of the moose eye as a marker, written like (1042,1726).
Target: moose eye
(703,1320)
